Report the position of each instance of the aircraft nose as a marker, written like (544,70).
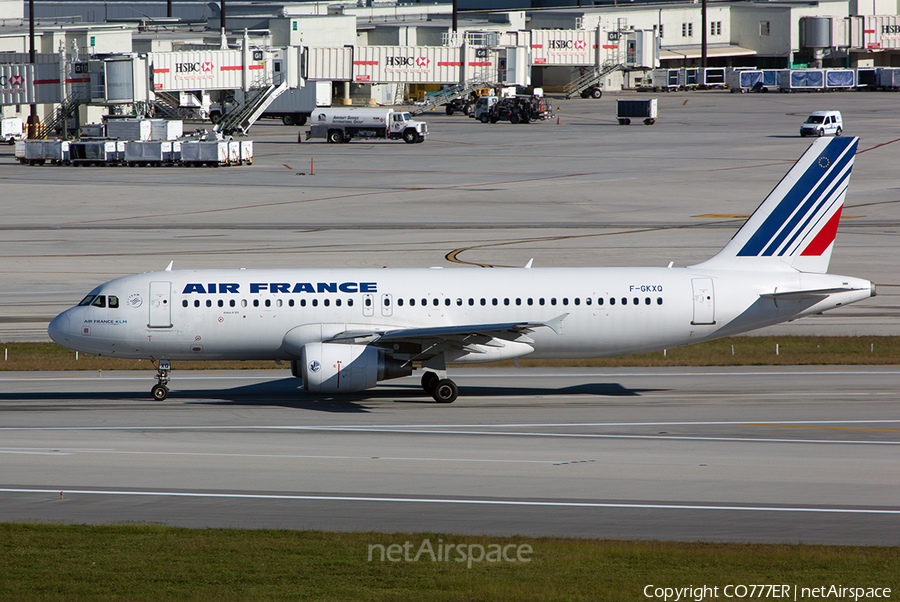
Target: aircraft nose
(59,329)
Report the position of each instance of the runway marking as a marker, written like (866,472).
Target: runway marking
(471,501)
(834,428)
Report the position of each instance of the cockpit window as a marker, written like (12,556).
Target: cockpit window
(99,301)
(113,302)
(87,300)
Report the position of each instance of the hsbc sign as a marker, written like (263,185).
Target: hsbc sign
(568,44)
(407,61)
(197,69)
(13,81)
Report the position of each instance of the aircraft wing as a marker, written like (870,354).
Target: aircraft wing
(451,335)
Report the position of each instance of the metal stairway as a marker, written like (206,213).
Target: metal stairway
(592,77)
(256,102)
(450,93)
(58,117)
(167,104)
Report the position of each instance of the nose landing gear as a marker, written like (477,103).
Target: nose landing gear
(160,391)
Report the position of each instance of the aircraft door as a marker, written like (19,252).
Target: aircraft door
(704,301)
(160,305)
(387,305)
(368,305)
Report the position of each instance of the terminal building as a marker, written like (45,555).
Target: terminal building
(97,58)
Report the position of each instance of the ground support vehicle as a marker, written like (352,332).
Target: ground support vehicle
(342,125)
(820,123)
(11,129)
(644,108)
(517,109)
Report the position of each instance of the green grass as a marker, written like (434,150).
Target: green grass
(140,562)
(748,351)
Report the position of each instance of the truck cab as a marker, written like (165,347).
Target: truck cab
(822,123)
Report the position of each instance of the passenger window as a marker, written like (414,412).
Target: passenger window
(412,302)
(368,302)
(599,300)
(349,302)
(612,300)
(506,301)
(435,302)
(552,300)
(277,303)
(494,301)
(541,301)
(518,301)
(646,300)
(530,301)
(302,302)
(565,300)
(290,303)
(483,301)
(209,303)
(587,301)
(471,301)
(636,301)
(184,303)
(424,302)
(231,303)
(113,302)
(327,302)
(256,303)
(447,301)
(577,301)
(459,302)
(243,303)
(387,301)
(315,303)
(268,303)
(624,301)
(337,302)
(196,302)
(100,301)
(399,302)
(659,300)
(221,303)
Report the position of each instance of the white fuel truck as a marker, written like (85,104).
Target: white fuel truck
(342,125)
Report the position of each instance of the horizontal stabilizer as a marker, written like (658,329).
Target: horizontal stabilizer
(811,293)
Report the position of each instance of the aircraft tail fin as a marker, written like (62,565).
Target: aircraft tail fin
(795,226)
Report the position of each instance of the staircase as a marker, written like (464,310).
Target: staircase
(450,93)
(591,78)
(58,117)
(168,105)
(256,101)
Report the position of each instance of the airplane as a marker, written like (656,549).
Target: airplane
(344,330)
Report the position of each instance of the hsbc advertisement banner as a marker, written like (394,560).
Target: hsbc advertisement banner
(17,84)
(563,47)
(200,70)
(881,32)
(412,64)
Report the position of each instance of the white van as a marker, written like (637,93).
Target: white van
(821,123)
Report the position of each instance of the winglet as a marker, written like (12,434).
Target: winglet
(528,265)
(556,323)
(169,267)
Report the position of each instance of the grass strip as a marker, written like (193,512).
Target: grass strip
(733,351)
(148,562)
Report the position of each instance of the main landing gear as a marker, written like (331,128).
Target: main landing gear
(443,390)
(160,391)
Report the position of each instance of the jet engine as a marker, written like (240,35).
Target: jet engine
(344,368)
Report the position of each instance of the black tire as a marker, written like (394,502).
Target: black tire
(215,117)
(649,121)
(335,136)
(300,119)
(514,118)
(288,119)
(494,120)
(449,109)
(159,392)
(445,391)
(821,133)
(429,380)
(585,93)
(485,118)
(596,93)
(838,132)
(410,136)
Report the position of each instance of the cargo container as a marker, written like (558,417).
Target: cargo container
(39,152)
(153,152)
(665,79)
(11,129)
(342,125)
(744,79)
(166,129)
(712,77)
(771,78)
(129,129)
(802,79)
(628,109)
(247,152)
(889,78)
(92,152)
(201,152)
(840,79)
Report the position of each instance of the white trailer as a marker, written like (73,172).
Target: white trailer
(295,106)
(11,129)
(342,125)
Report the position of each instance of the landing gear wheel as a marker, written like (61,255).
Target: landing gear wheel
(445,391)
(429,380)
(159,392)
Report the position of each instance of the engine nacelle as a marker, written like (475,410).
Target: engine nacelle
(341,368)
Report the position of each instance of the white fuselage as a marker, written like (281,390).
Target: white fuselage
(248,314)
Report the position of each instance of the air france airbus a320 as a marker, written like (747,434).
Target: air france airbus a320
(344,330)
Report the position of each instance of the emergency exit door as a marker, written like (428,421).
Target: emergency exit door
(704,301)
